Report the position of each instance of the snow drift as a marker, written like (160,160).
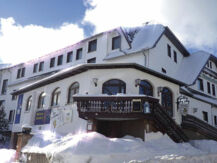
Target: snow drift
(7,155)
(96,148)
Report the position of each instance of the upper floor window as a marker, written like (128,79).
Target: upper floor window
(73,89)
(41,66)
(175,56)
(11,116)
(92,46)
(55,97)
(209,64)
(92,60)
(116,42)
(28,103)
(35,68)
(60,60)
(69,56)
(200,84)
(2,103)
(168,50)
(215,120)
(79,54)
(113,87)
(208,88)
(52,62)
(145,88)
(4,86)
(213,89)
(21,72)
(41,100)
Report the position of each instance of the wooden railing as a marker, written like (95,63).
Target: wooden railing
(122,105)
(192,123)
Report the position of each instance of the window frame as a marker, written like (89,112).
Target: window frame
(146,86)
(116,38)
(175,56)
(79,53)
(60,60)
(69,57)
(120,85)
(41,99)
(169,50)
(205,116)
(35,67)
(200,84)
(92,45)
(74,87)
(28,104)
(52,62)
(208,88)
(55,99)
(4,87)
(41,66)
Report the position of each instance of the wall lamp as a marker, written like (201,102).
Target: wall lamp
(137,82)
(159,90)
(95,81)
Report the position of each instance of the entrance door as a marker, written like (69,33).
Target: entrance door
(167,101)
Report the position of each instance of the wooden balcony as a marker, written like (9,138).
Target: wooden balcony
(119,107)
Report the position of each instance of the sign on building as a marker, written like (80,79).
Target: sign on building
(42,117)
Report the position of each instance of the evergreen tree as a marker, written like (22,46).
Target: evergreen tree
(3,120)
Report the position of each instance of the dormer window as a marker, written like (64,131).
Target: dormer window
(21,72)
(116,42)
(200,84)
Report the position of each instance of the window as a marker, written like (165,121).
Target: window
(4,86)
(145,88)
(41,66)
(175,56)
(200,84)
(168,50)
(79,54)
(92,60)
(11,116)
(116,42)
(60,60)
(167,101)
(18,73)
(23,72)
(210,64)
(73,89)
(55,97)
(205,116)
(52,62)
(208,88)
(92,46)
(2,103)
(215,120)
(113,87)
(41,100)
(29,103)
(163,70)
(69,57)
(213,89)
(35,68)
(14,97)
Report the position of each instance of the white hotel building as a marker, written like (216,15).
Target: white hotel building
(122,81)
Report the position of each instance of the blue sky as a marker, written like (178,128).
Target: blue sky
(38,27)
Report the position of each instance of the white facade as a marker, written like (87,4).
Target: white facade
(154,57)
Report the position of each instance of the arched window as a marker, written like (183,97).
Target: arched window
(55,97)
(113,87)
(29,103)
(73,89)
(145,88)
(167,100)
(41,100)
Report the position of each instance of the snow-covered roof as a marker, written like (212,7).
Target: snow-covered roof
(191,67)
(68,72)
(146,37)
(199,96)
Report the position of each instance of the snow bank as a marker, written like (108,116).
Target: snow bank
(94,147)
(7,155)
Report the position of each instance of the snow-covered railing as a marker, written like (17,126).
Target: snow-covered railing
(105,106)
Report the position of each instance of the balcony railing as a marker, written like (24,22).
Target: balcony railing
(115,106)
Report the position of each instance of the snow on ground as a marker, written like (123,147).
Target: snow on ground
(96,148)
(7,155)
